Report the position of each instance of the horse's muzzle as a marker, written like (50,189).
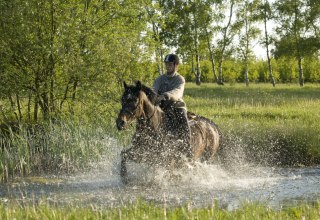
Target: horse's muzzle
(120,124)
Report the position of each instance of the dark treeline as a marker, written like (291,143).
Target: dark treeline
(72,56)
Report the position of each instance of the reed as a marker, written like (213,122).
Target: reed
(52,147)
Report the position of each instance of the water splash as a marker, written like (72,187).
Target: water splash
(199,184)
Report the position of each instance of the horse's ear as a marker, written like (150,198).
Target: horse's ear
(125,84)
(139,85)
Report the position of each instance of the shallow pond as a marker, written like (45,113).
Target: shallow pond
(200,186)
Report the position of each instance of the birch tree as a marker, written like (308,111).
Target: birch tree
(247,18)
(298,30)
(226,28)
(266,15)
(186,29)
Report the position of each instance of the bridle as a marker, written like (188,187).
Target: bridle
(136,109)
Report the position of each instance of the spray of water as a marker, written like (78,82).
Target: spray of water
(199,184)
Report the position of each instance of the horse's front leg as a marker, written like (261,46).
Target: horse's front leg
(132,154)
(123,167)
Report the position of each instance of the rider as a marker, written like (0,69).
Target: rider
(170,87)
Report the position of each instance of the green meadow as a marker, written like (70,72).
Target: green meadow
(143,210)
(275,126)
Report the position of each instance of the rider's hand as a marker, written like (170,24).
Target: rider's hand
(159,99)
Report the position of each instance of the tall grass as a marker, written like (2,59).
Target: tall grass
(52,147)
(270,125)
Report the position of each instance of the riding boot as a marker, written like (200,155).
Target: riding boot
(184,131)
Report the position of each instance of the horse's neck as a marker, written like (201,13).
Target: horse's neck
(153,115)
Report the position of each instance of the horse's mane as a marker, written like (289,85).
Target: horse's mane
(151,94)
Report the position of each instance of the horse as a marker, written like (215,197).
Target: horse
(154,141)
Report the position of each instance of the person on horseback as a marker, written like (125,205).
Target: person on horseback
(170,88)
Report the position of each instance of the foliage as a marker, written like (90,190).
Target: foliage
(57,54)
(69,52)
(298,31)
(284,71)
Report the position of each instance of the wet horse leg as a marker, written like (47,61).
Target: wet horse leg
(183,132)
(123,168)
(134,154)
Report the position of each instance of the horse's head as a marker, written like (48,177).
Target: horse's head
(132,103)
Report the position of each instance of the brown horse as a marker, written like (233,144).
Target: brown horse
(154,142)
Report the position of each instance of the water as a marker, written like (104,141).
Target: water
(199,185)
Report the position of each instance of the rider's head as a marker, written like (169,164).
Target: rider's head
(172,61)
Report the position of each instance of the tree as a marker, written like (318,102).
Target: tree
(156,19)
(247,17)
(266,15)
(186,29)
(227,28)
(57,53)
(298,29)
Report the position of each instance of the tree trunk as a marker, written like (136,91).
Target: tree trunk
(267,45)
(270,71)
(246,52)
(198,73)
(45,103)
(247,73)
(19,107)
(212,59)
(159,59)
(29,107)
(158,50)
(75,85)
(226,38)
(52,60)
(36,97)
(196,46)
(35,108)
(301,77)
(64,96)
(51,101)
(220,73)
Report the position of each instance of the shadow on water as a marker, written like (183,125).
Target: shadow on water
(200,185)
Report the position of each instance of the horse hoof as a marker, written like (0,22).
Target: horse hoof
(124,176)
(124,180)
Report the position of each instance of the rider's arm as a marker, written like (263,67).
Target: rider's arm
(176,93)
(156,85)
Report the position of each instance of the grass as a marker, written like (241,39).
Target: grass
(265,125)
(271,125)
(144,210)
(65,146)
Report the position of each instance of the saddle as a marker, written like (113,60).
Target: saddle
(192,116)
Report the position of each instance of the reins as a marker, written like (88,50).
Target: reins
(133,113)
